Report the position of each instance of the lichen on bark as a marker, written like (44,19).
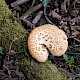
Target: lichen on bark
(10,28)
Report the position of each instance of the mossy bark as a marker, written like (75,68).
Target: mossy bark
(10,28)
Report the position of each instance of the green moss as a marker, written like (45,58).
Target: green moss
(41,71)
(10,28)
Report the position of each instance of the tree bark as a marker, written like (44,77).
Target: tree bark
(10,28)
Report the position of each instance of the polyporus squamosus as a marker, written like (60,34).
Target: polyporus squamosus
(47,37)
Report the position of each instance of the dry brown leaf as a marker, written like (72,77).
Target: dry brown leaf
(55,15)
(74,13)
(77,19)
(63,8)
(75,33)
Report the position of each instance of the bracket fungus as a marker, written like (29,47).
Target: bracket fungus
(47,37)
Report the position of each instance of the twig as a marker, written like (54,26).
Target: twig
(77,1)
(77,40)
(10,47)
(8,71)
(29,23)
(31,10)
(38,16)
(3,74)
(18,2)
(47,17)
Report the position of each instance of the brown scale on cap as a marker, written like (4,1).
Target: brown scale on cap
(47,36)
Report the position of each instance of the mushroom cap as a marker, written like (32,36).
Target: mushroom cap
(47,36)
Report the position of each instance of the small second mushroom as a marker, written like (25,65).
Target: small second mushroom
(47,37)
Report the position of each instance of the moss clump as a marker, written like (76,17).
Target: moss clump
(41,71)
(10,28)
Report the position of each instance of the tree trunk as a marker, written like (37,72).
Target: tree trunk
(10,28)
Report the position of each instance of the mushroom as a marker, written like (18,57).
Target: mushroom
(44,38)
